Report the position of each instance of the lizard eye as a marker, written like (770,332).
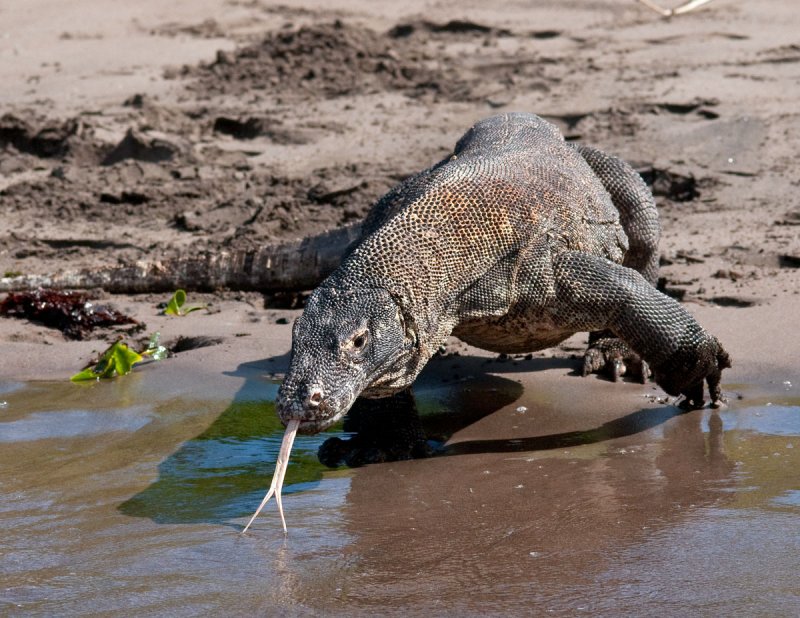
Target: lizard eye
(356,344)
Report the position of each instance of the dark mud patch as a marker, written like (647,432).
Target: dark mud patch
(184,344)
(790,218)
(629,119)
(454,26)
(48,138)
(325,60)
(673,185)
(227,204)
(148,148)
(72,313)
(206,29)
(273,129)
(339,59)
(733,301)
(545,34)
(149,114)
(758,256)
(584,126)
(700,107)
(786,260)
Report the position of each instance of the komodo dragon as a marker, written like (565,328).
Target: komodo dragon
(513,243)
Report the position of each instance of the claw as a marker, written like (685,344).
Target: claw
(592,361)
(694,397)
(280,472)
(645,374)
(615,359)
(617,369)
(713,378)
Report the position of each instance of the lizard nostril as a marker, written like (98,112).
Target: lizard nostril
(315,397)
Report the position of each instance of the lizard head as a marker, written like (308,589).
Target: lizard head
(345,341)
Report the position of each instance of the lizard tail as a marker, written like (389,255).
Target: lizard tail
(292,265)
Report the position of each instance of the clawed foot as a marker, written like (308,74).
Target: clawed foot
(383,430)
(613,357)
(686,370)
(360,451)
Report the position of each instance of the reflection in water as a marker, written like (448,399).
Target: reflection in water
(222,473)
(217,475)
(580,510)
(790,497)
(541,526)
(72,423)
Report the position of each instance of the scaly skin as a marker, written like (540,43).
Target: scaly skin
(513,243)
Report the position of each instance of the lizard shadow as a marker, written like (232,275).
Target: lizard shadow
(220,474)
(377,442)
(452,393)
(471,364)
(216,475)
(628,425)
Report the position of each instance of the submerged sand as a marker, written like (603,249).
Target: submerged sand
(150,131)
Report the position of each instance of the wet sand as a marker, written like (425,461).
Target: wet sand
(127,134)
(130,495)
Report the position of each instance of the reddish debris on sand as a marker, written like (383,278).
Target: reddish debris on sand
(70,312)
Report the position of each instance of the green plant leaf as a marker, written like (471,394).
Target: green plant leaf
(175,303)
(86,374)
(175,306)
(118,359)
(124,358)
(193,308)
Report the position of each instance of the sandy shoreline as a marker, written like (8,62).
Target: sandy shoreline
(701,103)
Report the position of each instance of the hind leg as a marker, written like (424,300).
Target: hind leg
(610,355)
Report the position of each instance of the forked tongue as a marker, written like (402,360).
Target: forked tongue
(280,471)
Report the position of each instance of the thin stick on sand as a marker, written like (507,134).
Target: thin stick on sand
(683,8)
(277,477)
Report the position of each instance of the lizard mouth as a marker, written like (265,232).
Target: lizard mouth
(321,424)
(318,416)
(311,420)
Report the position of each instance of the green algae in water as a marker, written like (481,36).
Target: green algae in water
(223,472)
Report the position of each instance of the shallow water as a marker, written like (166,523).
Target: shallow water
(127,497)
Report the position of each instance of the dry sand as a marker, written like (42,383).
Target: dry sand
(242,129)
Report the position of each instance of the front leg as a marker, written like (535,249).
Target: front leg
(592,293)
(639,218)
(386,429)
